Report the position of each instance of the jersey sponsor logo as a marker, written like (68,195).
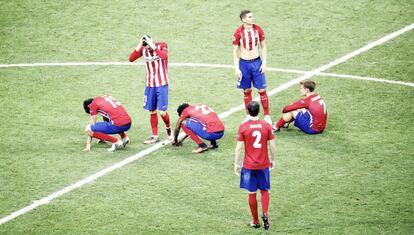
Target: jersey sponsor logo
(151,58)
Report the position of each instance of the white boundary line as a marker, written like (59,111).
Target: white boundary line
(91,178)
(198,65)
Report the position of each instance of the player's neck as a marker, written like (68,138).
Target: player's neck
(247,26)
(254,118)
(309,94)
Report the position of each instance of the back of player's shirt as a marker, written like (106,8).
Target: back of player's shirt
(317,108)
(255,134)
(109,107)
(205,115)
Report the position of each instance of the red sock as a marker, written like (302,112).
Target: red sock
(264,99)
(265,201)
(192,135)
(253,207)
(166,119)
(123,135)
(280,123)
(103,136)
(154,123)
(247,99)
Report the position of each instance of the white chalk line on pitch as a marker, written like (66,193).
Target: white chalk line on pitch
(200,65)
(91,178)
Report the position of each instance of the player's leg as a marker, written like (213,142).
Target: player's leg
(162,106)
(259,82)
(263,178)
(101,130)
(150,104)
(212,137)
(245,82)
(248,181)
(303,121)
(193,129)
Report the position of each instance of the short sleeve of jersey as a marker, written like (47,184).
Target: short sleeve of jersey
(185,114)
(93,108)
(164,46)
(240,136)
(236,38)
(261,33)
(270,131)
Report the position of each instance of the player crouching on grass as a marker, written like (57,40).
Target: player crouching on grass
(310,114)
(116,121)
(198,121)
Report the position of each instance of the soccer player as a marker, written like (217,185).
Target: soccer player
(156,89)
(198,121)
(116,121)
(249,67)
(310,114)
(256,135)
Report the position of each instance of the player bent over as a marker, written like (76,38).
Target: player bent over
(249,67)
(116,121)
(198,121)
(310,114)
(256,135)
(156,90)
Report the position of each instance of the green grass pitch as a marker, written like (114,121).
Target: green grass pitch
(355,178)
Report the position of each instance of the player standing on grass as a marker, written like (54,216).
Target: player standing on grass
(249,67)
(116,121)
(198,121)
(156,89)
(256,135)
(310,114)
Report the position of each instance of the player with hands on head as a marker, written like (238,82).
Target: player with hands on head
(256,135)
(156,89)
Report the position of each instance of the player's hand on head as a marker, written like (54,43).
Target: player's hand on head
(149,41)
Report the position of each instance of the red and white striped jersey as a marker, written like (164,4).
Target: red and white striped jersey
(248,38)
(156,63)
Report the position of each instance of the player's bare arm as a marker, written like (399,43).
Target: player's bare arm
(272,156)
(237,154)
(176,132)
(237,71)
(263,68)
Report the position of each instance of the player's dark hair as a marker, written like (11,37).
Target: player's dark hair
(181,108)
(254,108)
(309,84)
(144,43)
(244,13)
(86,104)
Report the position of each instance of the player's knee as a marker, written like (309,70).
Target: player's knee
(152,111)
(261,90)
(247,91)
(163,113)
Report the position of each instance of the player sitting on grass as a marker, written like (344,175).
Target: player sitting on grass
(309,113)
(116,121)
(198,121)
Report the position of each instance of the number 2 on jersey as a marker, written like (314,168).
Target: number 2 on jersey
(258,136)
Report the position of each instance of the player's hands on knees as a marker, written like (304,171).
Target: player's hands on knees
(263,68)
(238,74)
(237,169)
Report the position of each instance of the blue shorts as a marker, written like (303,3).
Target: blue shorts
(109,128)
(251,73)
(255,179)
(156,98)
(303,121)
(199,130)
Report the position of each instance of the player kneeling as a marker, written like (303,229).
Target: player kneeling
(198,121)
(116,121)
